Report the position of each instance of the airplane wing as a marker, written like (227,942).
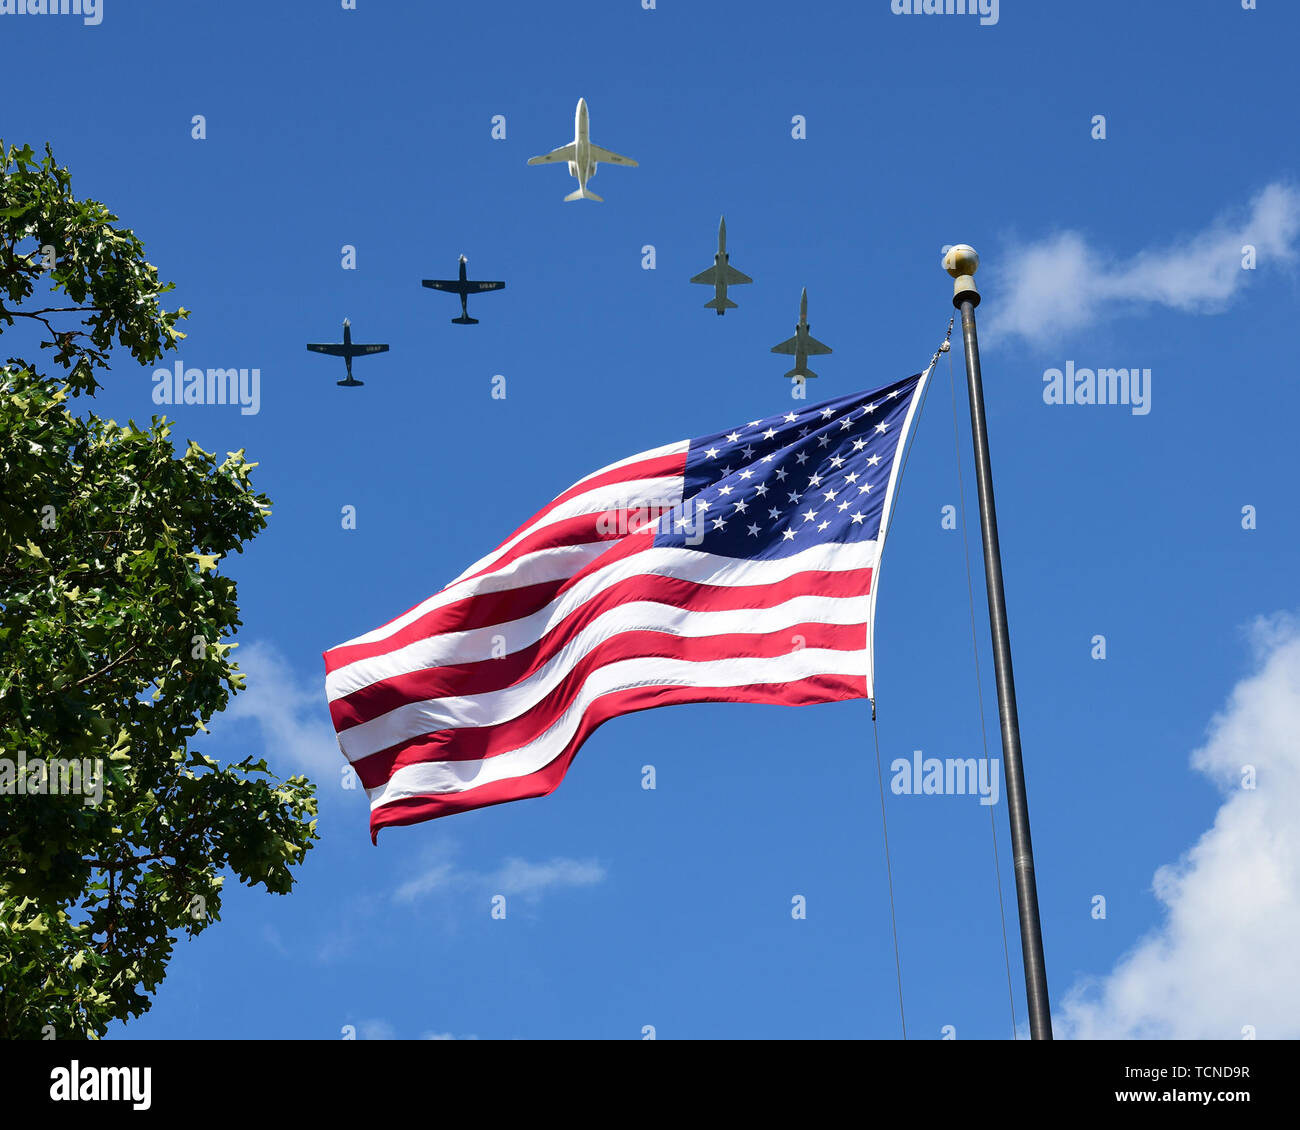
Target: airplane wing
(786,346)
(332,350)
(384,349)
(482,286)
(735,277)
(710,276)
(452,285)
(564,153)
(609,157)
(815,346)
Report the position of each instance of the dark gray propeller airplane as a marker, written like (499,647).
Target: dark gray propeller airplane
(347,350)
(721,275)
(803,344)
(464,287)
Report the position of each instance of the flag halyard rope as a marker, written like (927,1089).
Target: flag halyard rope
(979,687)
(880,776)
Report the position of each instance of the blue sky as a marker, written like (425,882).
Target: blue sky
(672,908)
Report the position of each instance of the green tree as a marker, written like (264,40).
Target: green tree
(115,625)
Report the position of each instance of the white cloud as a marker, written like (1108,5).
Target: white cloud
(1227,955)
(382,1030)
(1062,284)
(519,877)
(438,876)
(514,877)
(376,1030)
(290,712)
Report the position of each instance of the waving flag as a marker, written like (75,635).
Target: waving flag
(740,567)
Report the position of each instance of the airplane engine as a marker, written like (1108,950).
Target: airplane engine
(573,168)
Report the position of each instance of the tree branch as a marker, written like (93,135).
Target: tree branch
(108,666)
(122,865)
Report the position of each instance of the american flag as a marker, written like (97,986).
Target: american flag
(740,567)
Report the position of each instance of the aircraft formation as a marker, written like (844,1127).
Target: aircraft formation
(582,157)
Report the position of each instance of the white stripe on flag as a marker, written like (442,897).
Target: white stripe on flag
(611,496)
(458,776)
(491,708)
(555,564)
(676,448)
(666,561)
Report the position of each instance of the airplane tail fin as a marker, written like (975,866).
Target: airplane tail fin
(801,373)
(584,193)
(721,307)
(465,321)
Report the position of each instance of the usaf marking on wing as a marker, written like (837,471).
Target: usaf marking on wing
(464,287)
(347,350)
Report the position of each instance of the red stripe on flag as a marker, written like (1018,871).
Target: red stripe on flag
(581,529)
(480,611)
(476,743)
(660,467)
(805,692)
(502,605)
(492,674)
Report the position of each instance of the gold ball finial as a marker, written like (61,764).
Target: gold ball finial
(962,261)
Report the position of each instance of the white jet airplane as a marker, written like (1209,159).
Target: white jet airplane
(582,156)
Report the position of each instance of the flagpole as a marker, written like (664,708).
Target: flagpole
(961,262)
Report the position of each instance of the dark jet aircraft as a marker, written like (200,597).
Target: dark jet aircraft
(803,344)
(347,351)
(464,287)
(721,275)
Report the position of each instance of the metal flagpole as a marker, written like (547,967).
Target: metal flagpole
(961,262)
